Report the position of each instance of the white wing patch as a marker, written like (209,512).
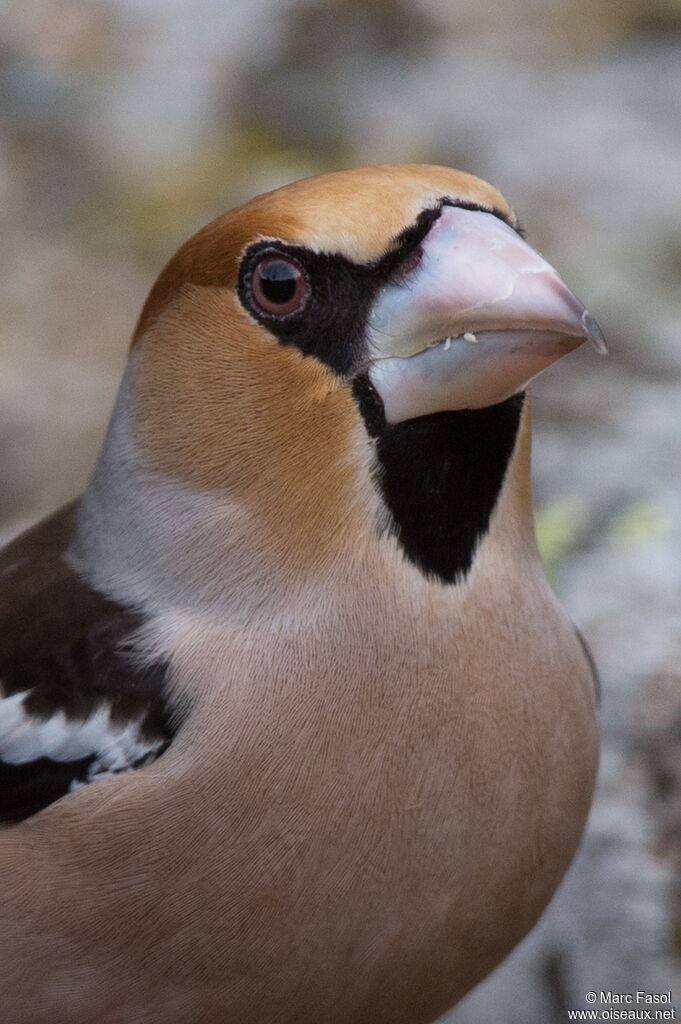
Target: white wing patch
(114,746)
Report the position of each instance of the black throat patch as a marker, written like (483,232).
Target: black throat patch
(440,477)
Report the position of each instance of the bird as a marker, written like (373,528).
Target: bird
(292,726)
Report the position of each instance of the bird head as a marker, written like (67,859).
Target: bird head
(294,346)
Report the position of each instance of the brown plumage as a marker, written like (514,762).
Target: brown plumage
(325,610)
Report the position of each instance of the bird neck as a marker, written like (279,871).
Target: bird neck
(447,490)
(260,540)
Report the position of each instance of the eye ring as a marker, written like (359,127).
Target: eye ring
(279,287)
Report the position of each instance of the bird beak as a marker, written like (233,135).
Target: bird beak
(479,316)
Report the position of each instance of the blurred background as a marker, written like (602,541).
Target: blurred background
(127,124)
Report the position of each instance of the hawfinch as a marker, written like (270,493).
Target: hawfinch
(292,728)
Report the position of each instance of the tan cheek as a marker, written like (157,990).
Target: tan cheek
(220,405)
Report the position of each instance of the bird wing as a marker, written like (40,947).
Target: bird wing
(75,704)
(592,664)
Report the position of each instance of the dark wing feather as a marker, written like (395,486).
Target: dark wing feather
(592,664)
(74,702)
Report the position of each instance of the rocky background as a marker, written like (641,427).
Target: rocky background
(126,124)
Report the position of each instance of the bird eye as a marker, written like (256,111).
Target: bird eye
(279,286)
